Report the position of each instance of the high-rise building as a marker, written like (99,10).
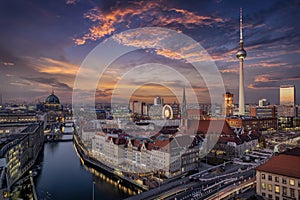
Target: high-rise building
(287,111)
(287,95)
(228,105)
(137,107)
(158,101)
(241,55)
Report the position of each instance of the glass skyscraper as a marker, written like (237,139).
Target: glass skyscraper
(287,95)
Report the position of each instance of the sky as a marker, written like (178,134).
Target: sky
(44,43)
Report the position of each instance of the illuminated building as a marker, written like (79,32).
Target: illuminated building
(263,125)
(287,95)
(241,55)
(19,153)
(262,111)
(287,111)
(279,177)
(170,155)
(53,108)
(228,105)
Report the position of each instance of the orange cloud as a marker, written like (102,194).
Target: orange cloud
(52,66)
(262,78)
(236,70)
(150,13)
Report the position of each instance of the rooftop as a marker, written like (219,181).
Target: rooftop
(286,164)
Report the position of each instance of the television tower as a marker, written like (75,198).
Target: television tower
(241,54)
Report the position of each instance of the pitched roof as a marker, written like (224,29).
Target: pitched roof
(286,165)
(212,126)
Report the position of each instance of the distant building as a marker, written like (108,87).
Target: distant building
(279,177)
(230,143)
(168,155)
(158,101)
(263,102)
(287,111)
(287,95)
(263,125)
(53,108)
(228,106)
(263,111)
(137,107)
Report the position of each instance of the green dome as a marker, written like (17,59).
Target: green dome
(52,99)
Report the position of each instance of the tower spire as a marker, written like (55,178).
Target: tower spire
(183,104)
(241,25)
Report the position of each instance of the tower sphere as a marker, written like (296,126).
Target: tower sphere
(241,53)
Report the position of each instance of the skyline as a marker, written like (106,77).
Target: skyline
(43,43)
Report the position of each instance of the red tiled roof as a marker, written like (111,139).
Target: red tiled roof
(286,165)
(213,126)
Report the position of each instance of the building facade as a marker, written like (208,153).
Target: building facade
(228,106)
(287,95)
(279,178)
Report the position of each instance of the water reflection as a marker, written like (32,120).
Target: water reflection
(63,175)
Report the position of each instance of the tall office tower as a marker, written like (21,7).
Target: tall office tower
(228,104)
(287,95)
(241,55)
(158,101)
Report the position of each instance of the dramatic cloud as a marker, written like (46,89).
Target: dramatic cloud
(49,82)
(140,14)
(52,66)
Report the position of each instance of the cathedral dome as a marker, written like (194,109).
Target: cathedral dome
(52,99)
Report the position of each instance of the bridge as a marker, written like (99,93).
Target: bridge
(60,132)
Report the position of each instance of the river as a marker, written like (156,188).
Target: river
(61,176)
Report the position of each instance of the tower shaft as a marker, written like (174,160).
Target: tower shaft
(241,89)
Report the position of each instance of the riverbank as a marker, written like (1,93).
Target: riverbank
(87,160)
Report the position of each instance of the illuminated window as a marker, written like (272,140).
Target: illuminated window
(270,187)
(292,182)
(277,189)
(263,185)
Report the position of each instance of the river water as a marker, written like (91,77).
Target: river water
(61,176)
